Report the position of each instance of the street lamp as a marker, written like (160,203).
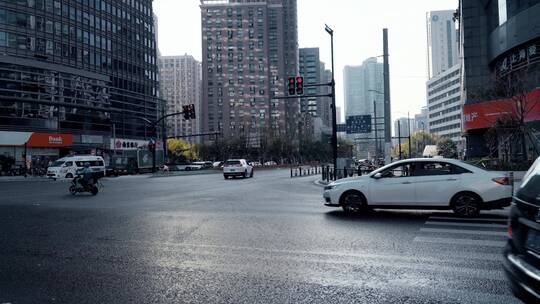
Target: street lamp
(330,31)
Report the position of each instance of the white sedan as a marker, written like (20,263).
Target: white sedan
(237,167)
(423,184)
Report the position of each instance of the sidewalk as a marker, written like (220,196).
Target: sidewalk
(23,179)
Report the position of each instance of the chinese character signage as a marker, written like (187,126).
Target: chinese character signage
(358,124)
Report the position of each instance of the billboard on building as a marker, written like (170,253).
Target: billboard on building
(485,114)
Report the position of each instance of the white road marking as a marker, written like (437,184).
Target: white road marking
(452,241)
(459,231)
(468,219)
(498,226)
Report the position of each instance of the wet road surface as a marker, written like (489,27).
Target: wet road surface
(203,239)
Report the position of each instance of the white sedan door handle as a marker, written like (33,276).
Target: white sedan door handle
(452,179)
(406,183)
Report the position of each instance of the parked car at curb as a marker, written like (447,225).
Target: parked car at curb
(256,164)
(203,164)
(188,167)
(522,252)
(423,183)
(237,168)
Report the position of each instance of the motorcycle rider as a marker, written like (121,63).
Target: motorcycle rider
(87,175)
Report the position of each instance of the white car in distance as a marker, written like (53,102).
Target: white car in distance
(423,184)
(237,168)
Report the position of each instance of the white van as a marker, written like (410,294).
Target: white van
(67,167)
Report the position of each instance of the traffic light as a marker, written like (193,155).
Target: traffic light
(186,112)
(152,145)
(292,86)
(299,85)
(189,111)
(192,111)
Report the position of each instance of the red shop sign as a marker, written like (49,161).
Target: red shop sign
(485,114)
(50,140)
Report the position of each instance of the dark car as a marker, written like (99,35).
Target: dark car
(522,253)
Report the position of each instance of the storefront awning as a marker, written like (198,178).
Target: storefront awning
(36,139)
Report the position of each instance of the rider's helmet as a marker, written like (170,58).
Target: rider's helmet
(87,165)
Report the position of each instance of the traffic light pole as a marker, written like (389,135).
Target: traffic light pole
(330,31)
(155,125)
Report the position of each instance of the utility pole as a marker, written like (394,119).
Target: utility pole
(423,137)
(164,133)
(330,31)
(376,131)
(409,126)
(387,108)
(399,136)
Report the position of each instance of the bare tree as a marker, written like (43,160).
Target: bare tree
(511,133)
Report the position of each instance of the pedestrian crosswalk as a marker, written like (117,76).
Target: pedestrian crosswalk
(485,232)
(476,244)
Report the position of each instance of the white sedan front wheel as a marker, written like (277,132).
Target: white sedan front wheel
(353,202)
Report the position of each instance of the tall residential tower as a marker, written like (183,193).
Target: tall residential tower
(250,47)
(315,109)
(181,85)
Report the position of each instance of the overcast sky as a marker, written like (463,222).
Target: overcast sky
(358,28)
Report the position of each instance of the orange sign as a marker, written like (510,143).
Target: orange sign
(485,114)
(50,140)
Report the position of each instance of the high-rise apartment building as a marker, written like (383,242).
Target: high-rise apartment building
(310,68)
(444,86)
(314,72)
(444,104)
(363,93)
(442,41)
(326,108)
(181,85)
(77,74)
(250,48)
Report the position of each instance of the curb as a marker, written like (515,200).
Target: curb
(320,183)
(192,173)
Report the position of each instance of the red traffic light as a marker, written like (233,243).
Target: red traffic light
(299,85)
(292,86)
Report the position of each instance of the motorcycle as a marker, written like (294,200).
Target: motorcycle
(77,187)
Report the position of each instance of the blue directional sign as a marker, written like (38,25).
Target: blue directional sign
(341,128)
(358,124)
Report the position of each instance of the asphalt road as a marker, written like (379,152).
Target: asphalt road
(203,239)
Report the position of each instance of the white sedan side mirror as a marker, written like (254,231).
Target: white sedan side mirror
(377,176)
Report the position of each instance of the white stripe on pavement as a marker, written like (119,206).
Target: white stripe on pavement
(453,241)
(498,226)
(459,231)
(468,219)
